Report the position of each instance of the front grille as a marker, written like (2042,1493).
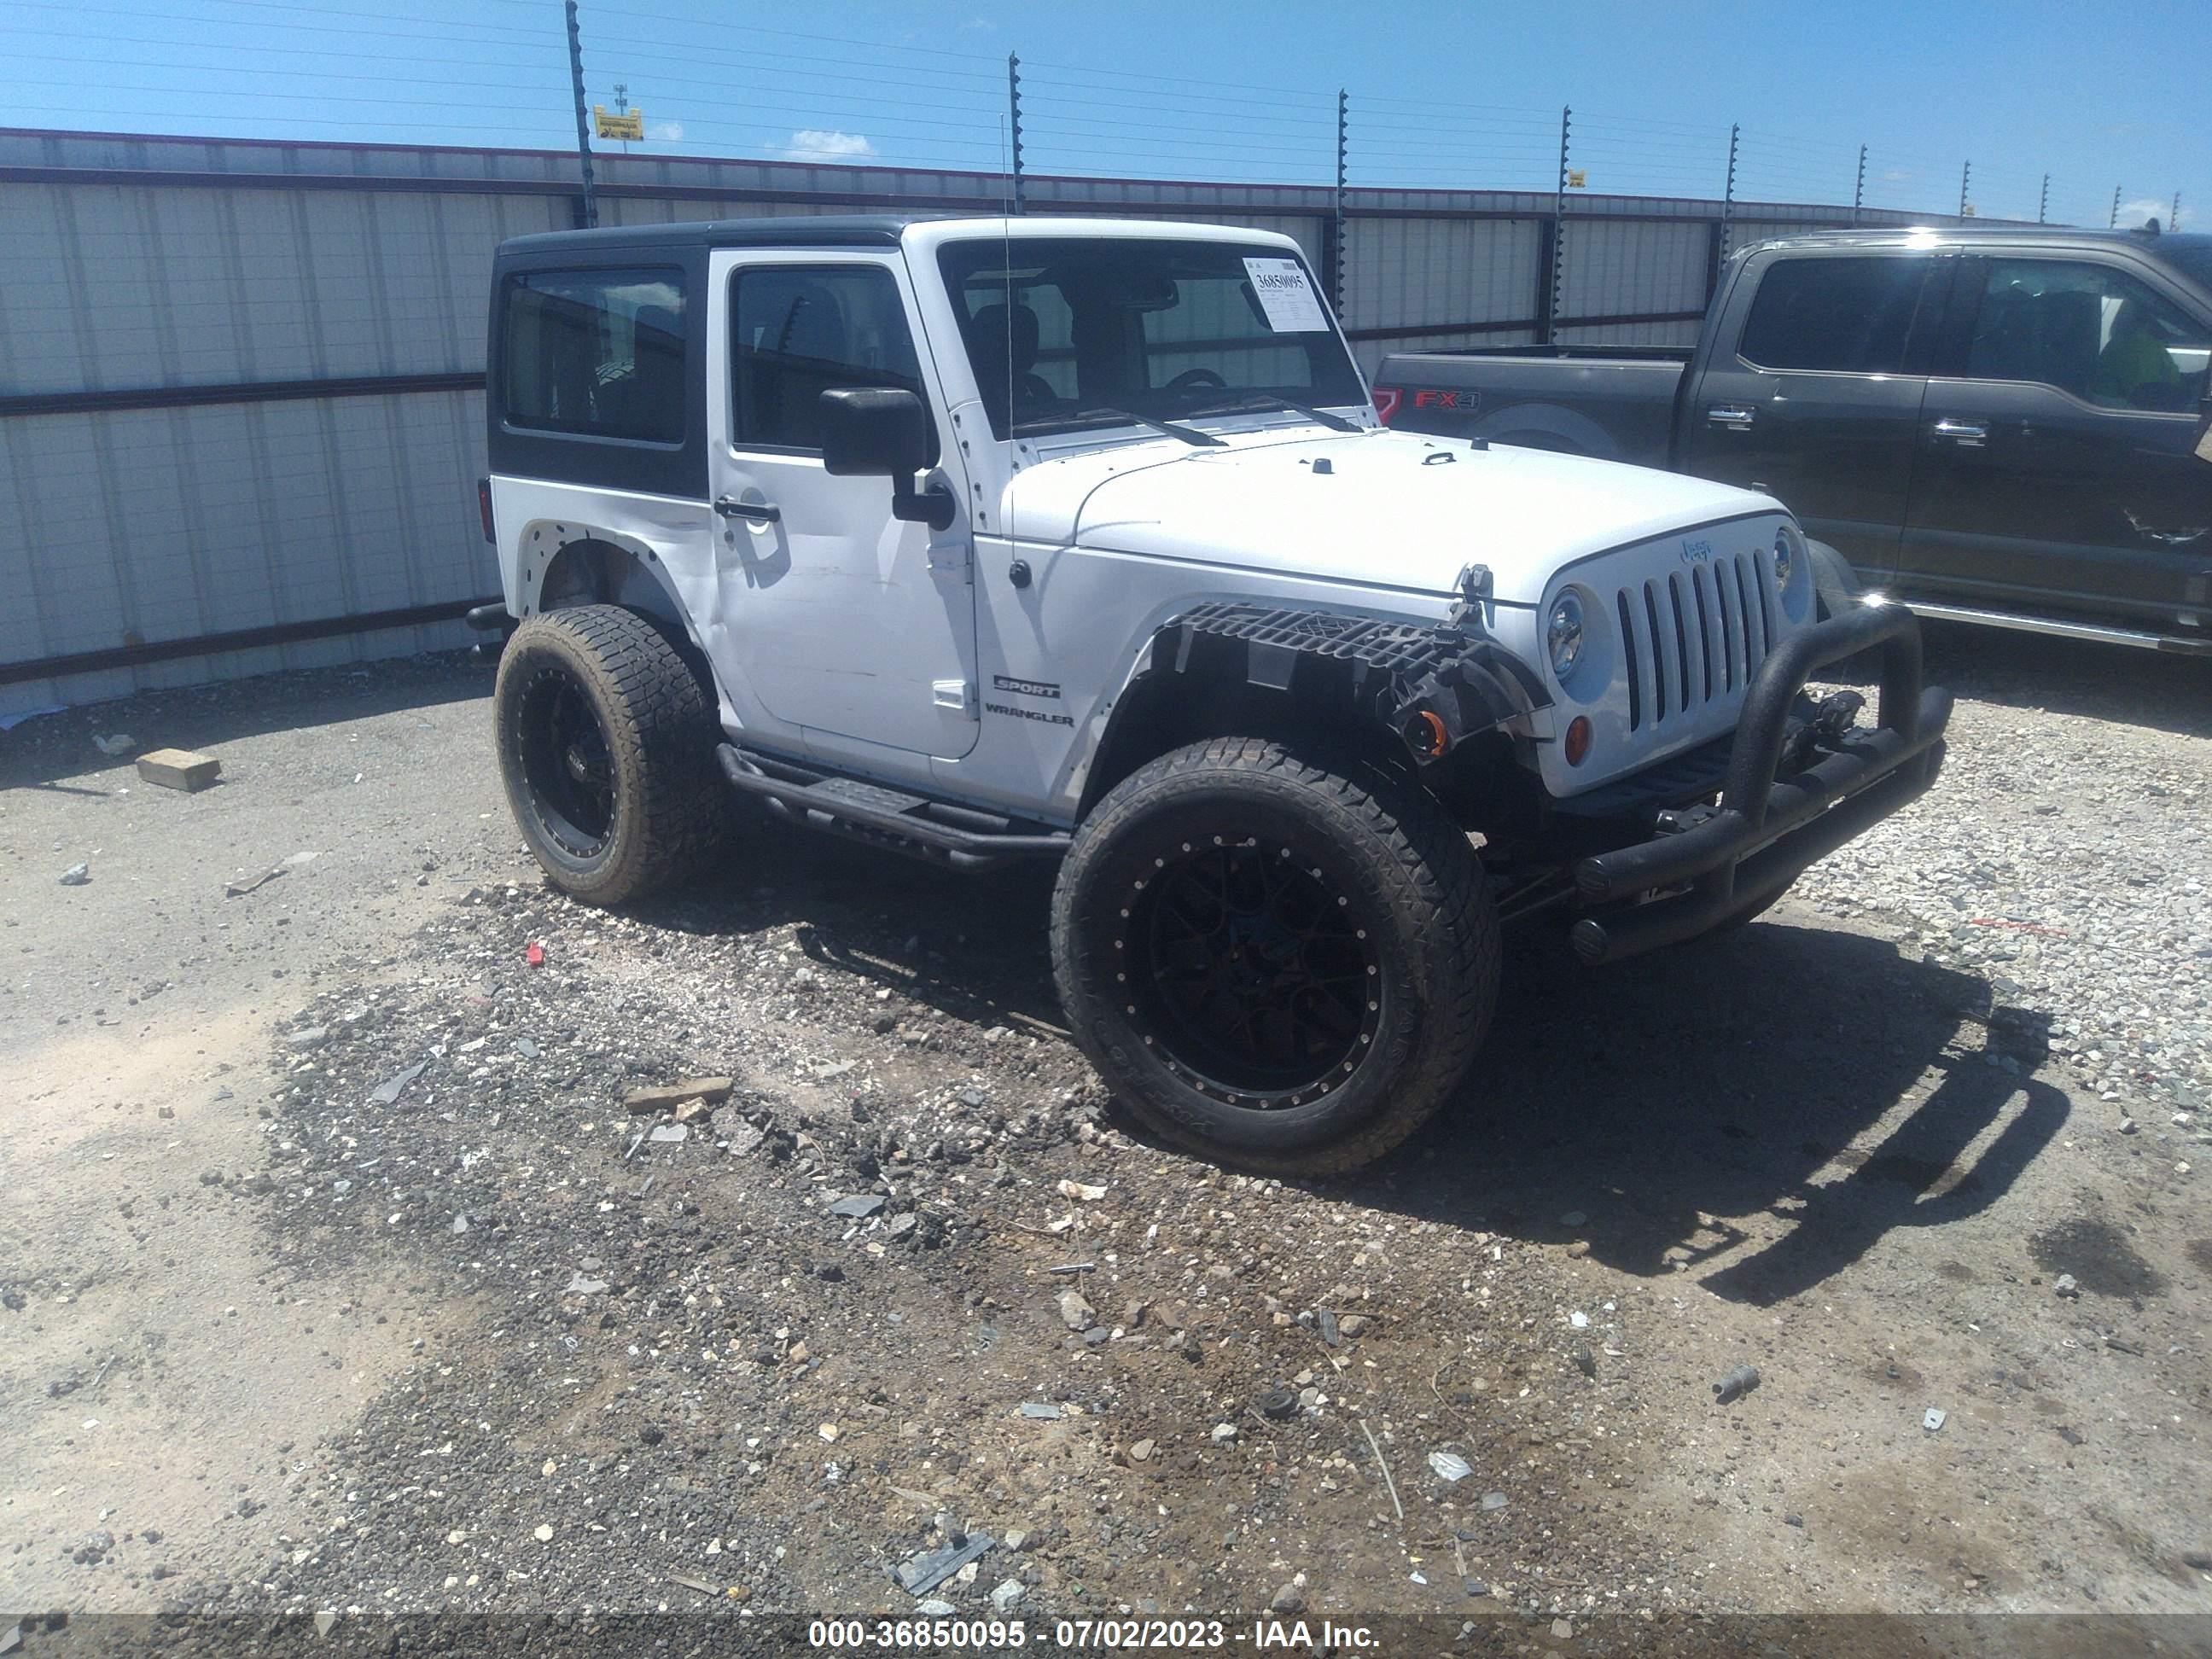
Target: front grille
(1688,641)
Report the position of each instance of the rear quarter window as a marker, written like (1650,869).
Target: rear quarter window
(1850,316)
(596,353)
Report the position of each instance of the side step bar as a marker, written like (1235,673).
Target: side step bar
(2068,631)
(958,836)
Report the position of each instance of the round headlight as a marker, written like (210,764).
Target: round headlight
(1785,555)
(1563,635)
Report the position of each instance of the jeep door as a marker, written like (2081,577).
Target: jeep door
(2056,474)
(854,627)
(1815,396)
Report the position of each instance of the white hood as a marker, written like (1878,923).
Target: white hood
(1385,510)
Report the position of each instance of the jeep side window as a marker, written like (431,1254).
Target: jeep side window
(798,331)
(1847,316)
(2089,330)
(596,353)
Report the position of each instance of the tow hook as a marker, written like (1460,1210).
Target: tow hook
(1677,819)
(1838,712)
(1832,718)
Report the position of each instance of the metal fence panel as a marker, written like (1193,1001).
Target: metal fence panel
(1616,267)
(178,460)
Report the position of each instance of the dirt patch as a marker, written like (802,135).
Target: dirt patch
(906,1285)
(165,1404)
(2098,1255)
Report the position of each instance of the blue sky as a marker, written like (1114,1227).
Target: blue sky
(2098,96)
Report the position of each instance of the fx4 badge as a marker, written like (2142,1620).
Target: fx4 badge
(1697,552)
(1435,399)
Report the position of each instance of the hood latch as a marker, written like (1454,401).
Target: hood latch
(1473,583)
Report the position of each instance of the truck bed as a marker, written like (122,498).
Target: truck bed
(1617,403)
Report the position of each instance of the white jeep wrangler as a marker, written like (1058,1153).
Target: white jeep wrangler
(1078,539)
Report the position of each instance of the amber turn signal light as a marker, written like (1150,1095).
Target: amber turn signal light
(1578,739)
(1426,733)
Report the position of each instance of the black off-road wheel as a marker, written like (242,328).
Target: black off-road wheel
(1278,964)
(606,740)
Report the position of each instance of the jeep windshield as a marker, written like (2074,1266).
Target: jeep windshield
(1060,330)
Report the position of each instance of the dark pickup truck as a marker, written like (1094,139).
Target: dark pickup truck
(1999,426)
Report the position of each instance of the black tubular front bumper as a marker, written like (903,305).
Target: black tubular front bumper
(1767,830)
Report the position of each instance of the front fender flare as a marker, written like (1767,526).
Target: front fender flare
(1432,685)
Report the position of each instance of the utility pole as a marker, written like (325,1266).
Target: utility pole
(1965,179)
(1858,190)
(2043,204)
(588,205)
(1014,126)
(1558,230)
(1728,193)
(1343,129)
(2114,222)
(2173,219)
(622,106)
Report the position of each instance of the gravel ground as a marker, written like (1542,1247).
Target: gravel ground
(387,1338)
(2064,859)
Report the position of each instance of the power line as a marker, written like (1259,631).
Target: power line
(616,13)
(306,11)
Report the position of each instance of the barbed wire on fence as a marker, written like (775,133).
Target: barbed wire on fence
(724,88)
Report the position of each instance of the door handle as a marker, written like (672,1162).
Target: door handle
(754,512)
(1964,432)
(1736,416)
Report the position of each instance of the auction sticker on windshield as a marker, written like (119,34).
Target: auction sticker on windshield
(1291,306)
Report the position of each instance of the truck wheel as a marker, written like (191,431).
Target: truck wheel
(1273,963)
(606,740)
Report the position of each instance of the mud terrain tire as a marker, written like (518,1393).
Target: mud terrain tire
(606,740)
(1284,965)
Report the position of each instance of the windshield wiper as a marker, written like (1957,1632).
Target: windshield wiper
(1265,400)
(1189,435)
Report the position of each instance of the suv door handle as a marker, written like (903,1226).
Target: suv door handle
(1964,432)
(758,512)
(1736,416)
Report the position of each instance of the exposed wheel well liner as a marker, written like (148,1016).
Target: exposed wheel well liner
(590,569)
(1229,667)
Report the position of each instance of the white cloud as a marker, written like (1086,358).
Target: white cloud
(666,131)
(2133,214)
(825,144)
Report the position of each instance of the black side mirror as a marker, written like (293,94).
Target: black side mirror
(873,432)
(883,431)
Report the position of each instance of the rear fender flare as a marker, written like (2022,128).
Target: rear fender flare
(572,564)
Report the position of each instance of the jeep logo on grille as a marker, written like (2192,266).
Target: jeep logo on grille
(1697,552)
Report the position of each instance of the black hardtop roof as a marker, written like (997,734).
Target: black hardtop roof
(792,230)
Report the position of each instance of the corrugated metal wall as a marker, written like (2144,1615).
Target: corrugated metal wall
(239,381)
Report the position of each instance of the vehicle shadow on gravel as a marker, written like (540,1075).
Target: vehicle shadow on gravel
(971,946)
(1659,1098)
(1733,1077)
